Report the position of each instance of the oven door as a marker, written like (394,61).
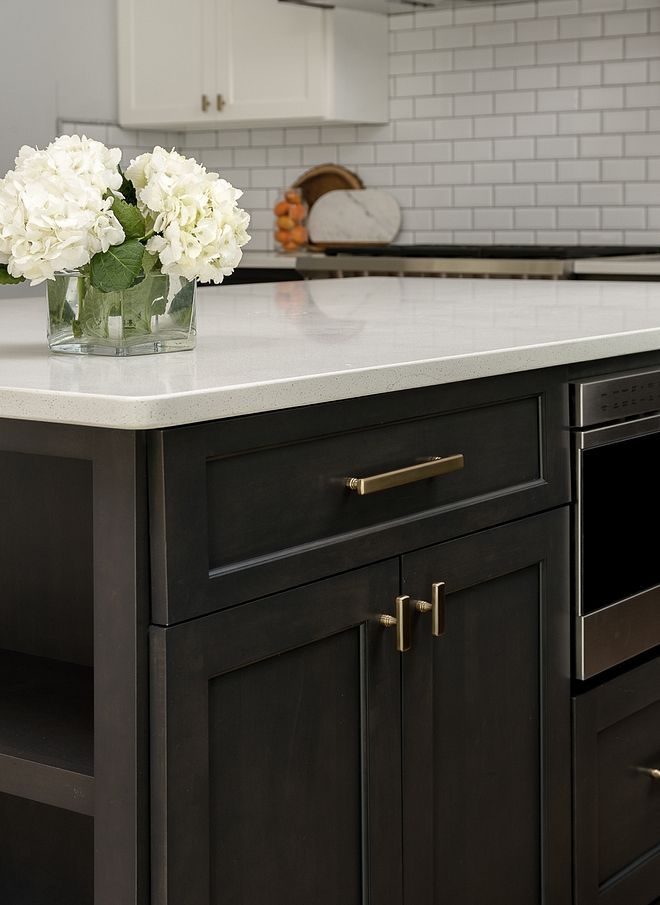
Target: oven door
(617,543)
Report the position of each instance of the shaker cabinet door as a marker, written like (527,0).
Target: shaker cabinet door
(166,62)
(276,772)
(271,61)
(487,749)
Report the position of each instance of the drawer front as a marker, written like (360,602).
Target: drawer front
(251,506)
(618,790)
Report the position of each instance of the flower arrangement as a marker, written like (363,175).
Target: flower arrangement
(70,207)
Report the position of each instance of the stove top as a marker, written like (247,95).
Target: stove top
(501,252)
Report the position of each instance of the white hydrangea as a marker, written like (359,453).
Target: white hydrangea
(199,227)
(53,213)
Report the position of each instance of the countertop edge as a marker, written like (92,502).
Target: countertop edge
(152,413)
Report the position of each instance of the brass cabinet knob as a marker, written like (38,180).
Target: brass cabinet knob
(206,103)
(401,621)
(436,608)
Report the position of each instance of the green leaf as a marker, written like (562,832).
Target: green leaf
(128,189)
(118,268)
(149,261)
(6,279)
(132,221)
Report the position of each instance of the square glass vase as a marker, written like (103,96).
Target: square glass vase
(155,315)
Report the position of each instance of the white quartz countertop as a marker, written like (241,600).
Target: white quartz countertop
(280,345)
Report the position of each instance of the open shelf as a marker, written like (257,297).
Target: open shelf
(46,731)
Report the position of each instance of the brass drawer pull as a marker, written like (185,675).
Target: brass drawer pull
(654,773)
(206,103)
(402,622)
(436,608)
(431,469)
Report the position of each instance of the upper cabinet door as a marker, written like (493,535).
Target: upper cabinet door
(271,60)
(166,61)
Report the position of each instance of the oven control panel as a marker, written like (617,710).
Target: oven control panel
(615,397)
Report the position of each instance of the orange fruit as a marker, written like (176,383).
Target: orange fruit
(281,208)
(282,236)
(294,196)
(285,223)
(299,235)
(297,212)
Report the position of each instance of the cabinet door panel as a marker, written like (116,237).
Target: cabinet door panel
(276,69)
(487,717)
(166,57)
(277,769)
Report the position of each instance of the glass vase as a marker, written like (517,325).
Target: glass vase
(155,315)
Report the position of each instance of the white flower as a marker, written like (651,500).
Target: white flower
(53,213)
(200,228)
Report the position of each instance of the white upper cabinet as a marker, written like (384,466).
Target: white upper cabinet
(208,63)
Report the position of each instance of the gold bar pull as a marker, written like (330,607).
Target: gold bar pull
(401,621)
(206,103)
(436,466)
(219,103)
(653,772)
(436,608)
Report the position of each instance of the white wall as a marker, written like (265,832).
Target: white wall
(57,59)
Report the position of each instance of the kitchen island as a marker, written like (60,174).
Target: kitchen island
(288,618)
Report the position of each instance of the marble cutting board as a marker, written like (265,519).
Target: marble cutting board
(354,216)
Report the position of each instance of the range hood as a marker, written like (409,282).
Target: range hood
(393,6)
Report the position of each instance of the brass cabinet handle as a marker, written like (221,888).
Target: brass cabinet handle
(431,469)
(219,103)
(206,103)
(401,621)
(436,608)
(654,773)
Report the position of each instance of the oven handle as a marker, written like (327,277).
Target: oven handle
(613,433)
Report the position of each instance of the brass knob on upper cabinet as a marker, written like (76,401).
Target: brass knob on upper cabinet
(206,103)
(219,103)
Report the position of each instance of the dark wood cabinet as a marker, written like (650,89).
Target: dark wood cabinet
(278,728)
(276,769)
(486,744)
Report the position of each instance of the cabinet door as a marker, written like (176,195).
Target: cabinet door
(272,60)
(276,773)
(487,721)
(166,61)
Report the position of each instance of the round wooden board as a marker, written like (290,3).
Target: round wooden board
(326,178)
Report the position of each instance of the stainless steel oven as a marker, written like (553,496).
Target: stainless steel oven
(617,524)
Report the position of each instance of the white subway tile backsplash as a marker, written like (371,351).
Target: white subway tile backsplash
(553,195)
(514,195)
(433,152)
(601,98)
(474,58)
(537,30)
(537,77)
(623,120)
(601,145)
(578,123)
(537,171)
(535,218)
(558,52)
(536,124)
(624,218)
(498,33)
(605,49)
(521,122)
(515,149)
(582,74)
(434,61)
(495,80)
(515,55)
(558,99)
(624,170)
(458,36)
(581,27)
(625,72)
(494,127)
(628,23)
(515,102)
(473,150)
